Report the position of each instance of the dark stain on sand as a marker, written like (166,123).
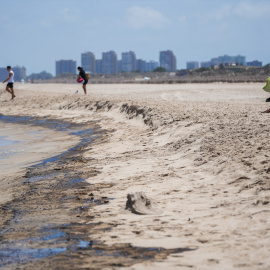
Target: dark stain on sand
(48,225)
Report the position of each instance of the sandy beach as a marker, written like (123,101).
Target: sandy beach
(200,151)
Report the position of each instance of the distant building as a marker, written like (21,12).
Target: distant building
(109,62)
(192,65)
(88,62)
(99,69)
(128,61)
(119,66)
(151,65)
(65,66)
(167,60)
(255,63)
(141,65)
(3,74)
(19,73)
(228,60)
(206,64)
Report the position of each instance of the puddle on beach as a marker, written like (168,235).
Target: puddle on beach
(53,234)
(9,256)
(84,244)
(25,250)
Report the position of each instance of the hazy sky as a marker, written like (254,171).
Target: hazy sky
(36,33)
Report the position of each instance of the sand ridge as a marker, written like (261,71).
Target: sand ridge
(201,151)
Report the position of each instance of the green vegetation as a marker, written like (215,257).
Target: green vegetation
(203,69)
(160,69)
(40,76)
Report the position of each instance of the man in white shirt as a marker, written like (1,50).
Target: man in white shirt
(10,81)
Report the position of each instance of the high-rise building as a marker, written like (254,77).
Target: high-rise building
(119,66)
(255,63)
(88,62)
(19,73)
(206,64)
(128,61)
(228,60)
(141,65)
(167,60)
(65,66)
(151,65)
(109,62)
(3,74)
(99,69)
(192,65)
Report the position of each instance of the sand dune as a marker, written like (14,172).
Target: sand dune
(201,151)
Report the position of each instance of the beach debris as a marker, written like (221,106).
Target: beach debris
(139,203)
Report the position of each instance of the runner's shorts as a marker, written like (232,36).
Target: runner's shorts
(10,85)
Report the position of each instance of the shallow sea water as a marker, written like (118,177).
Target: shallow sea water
(7,147)
(17,142)
(4,141)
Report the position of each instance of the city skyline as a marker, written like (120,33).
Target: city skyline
(113,65)
(167,60)
(110,64)
(188,65)
(40,32)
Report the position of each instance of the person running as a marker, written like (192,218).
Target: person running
(82,75)
(10,81)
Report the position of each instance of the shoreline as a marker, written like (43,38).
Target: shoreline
(33,143)
(25,148)
(59,230)
(200,151)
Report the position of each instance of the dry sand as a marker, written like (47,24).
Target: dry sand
(201,151)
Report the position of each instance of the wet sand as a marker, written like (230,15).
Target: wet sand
(200,151)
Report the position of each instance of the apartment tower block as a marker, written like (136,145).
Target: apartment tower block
(167,60)
(109,62)
(88,62)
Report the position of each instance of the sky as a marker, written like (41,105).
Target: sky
(36,33)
